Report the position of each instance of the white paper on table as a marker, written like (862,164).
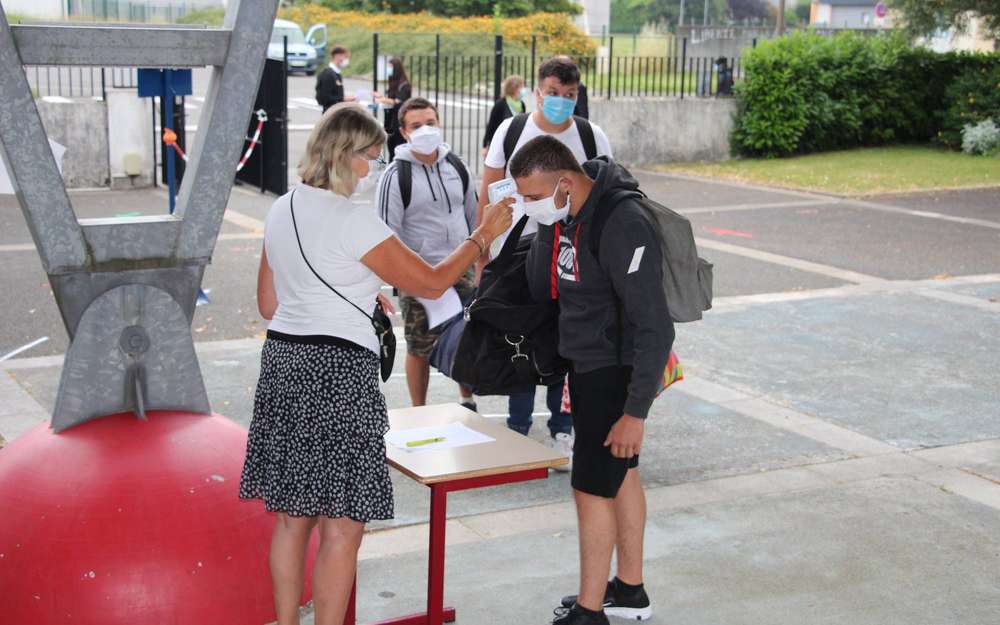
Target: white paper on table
(441,309)
(7,187)
(454,434)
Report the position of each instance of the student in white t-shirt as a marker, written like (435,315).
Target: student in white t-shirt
(315,450)
(555,97)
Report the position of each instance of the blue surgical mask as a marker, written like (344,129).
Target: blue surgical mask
(557,109)
(388,71)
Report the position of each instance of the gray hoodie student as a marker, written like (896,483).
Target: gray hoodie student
(440,215)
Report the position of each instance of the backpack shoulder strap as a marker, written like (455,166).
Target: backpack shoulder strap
(405,177)
(600,218)
(462,170)
(586,137)
(514,131)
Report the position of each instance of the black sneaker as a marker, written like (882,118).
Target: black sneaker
(634,606)
(575,615)
(470,405)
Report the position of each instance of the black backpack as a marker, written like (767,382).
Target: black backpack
(510,341)
(405,169)
(520,121)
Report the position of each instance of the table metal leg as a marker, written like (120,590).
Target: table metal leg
(435,568)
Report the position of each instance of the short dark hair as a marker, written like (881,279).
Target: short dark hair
(544,154)
(415,104)
(562,67)
(335,50)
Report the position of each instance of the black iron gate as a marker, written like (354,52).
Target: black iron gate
(267,167)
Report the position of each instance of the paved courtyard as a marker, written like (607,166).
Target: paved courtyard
(832,457)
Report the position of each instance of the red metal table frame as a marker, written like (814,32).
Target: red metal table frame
(437,613)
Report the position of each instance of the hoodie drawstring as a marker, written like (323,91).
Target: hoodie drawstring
(444,190)
(429,183)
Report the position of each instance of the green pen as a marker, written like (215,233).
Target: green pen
(426,441)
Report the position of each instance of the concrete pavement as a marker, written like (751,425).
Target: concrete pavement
(832,457)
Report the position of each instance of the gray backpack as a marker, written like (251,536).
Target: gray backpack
(687,279)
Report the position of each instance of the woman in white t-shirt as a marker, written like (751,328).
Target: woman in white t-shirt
(315,451)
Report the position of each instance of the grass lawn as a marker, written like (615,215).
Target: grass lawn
(862,171)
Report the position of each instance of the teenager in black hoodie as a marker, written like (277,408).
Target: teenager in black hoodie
(615,330)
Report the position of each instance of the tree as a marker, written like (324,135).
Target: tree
(923,17)
(748,10)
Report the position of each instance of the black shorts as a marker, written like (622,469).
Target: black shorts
(598,401)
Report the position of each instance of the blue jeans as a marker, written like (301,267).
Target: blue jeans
(521,405)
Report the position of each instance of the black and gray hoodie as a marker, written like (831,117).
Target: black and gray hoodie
(627,280)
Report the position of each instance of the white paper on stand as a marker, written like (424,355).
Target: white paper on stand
(441,309)
(7,187)
(454,435)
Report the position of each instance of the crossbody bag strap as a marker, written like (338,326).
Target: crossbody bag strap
(295,226)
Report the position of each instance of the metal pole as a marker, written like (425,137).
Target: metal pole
(681,20)
(534,42)
(684,54)
(437,67)
(704,20)
(374,61)
(497,65)
(781,17)
(611,54)
(167,121)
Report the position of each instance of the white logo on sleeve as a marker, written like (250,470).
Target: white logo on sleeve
(636,259)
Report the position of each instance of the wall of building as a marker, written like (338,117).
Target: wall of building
(661,130)
(81,125)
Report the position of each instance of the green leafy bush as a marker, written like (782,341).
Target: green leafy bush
(808,93)
(972,97)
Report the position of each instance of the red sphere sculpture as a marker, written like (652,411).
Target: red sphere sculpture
(122,521)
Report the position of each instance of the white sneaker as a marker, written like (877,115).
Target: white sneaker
(563,443)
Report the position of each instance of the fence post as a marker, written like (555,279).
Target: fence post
(611,67)
(497,65)
(684,54)
(374,61)
(437,67)
(534,43)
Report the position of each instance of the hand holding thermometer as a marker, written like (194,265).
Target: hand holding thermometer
(426,441)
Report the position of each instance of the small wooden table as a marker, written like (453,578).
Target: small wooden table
(509,458)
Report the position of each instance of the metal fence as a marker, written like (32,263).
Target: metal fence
(78,82)
(131,11)
(465,87)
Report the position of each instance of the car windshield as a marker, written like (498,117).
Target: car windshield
(294,35)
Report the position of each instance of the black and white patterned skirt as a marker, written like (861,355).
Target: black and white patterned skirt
(316,445)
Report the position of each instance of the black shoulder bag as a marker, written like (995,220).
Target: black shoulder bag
(380,321)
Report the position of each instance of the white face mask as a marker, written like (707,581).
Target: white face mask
(545,211)
(425,140)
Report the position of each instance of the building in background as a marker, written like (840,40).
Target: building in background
(847,14)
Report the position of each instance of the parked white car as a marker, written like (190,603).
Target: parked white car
(305,52)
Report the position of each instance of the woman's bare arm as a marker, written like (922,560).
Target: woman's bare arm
(402,268)
(267,298)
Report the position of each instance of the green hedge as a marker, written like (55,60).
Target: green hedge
(807,93)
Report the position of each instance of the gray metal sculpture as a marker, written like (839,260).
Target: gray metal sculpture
(126,287)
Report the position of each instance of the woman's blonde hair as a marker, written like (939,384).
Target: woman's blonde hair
(511,85)
(342,132)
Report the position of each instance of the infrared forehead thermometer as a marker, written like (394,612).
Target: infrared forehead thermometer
(501,189)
